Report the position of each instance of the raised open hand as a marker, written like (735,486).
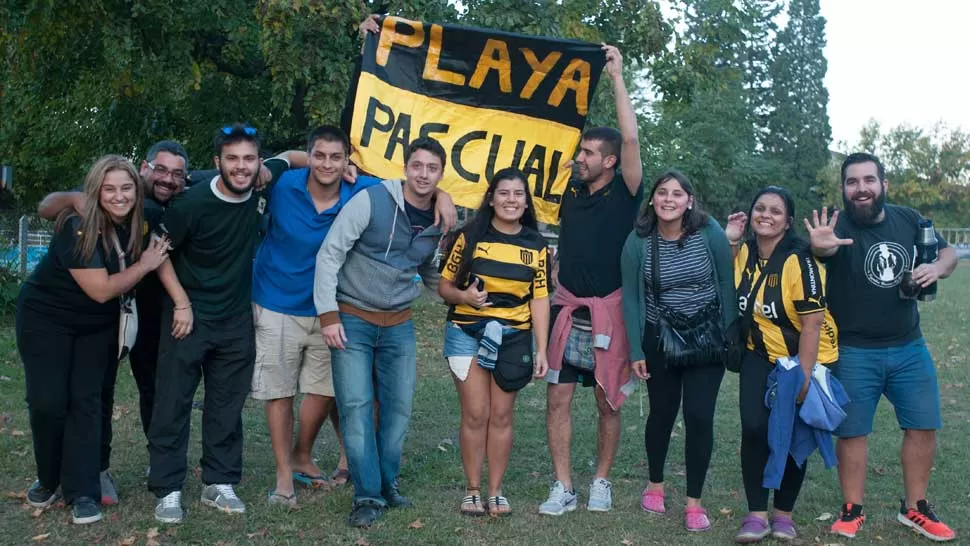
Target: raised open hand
(821,232)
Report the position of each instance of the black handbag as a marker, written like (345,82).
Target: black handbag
(687,341)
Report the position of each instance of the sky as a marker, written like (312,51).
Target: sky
(896,61)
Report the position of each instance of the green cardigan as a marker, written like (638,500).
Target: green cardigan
(634,302)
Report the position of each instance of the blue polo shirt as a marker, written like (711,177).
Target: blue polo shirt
(287,258)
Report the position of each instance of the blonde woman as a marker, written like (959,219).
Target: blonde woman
(67,331)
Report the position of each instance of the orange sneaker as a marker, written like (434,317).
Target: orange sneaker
(850,520)
(922,520)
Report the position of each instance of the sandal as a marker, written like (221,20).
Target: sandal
(499,506)
(340,476)
(280,499)
(471,504)
(309,480)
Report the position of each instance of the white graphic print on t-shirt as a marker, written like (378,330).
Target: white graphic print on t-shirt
(885,263)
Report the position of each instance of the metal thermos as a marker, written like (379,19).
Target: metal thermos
(926,253)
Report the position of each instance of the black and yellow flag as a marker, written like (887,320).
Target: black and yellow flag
(493,99)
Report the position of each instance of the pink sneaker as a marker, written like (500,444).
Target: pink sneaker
(695,519)
(653,501)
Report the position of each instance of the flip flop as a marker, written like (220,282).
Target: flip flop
(340,476)
(309,480)
(281,500)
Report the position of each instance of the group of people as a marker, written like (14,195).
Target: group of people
(644,286)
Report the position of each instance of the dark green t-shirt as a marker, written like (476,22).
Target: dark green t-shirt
(213,240)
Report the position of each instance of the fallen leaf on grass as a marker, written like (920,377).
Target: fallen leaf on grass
(260,533)
(726,511)
(880,470)
(4,378)
(416,524)
(39,538)
(21,495)
(37,513)
(17,433)
(535,474)
(824,516)
(128,541)
(363,542)
(152,533)
(879,538)
(626,542)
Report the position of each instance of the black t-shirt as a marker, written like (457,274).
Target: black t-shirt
(863,280)
(213,237)
(52,293)
(420,218)
(149,291)
(593,228)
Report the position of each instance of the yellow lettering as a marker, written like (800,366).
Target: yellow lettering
(390,36)
(568,81)
(488,61)
(540,69)
(431,70)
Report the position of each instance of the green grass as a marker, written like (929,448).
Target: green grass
(432,470)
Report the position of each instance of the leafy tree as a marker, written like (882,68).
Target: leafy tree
(927,169)
(798,131)
(706,121)
(80,79)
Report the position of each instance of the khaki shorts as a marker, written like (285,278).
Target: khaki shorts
(291,355)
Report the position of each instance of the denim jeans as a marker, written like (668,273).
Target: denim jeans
(382,358)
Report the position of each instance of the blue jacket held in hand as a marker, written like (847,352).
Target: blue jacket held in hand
(798,431)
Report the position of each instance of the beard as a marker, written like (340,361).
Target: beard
(238,191)
(865,215)
(590,176)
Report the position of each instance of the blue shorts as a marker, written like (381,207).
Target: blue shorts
(905,374)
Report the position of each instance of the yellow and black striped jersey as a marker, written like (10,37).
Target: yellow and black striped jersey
(514,271)
(798,289)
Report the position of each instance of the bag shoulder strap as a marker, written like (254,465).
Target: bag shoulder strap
(117,245)
(747,316)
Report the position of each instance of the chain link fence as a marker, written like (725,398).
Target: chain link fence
(23,242)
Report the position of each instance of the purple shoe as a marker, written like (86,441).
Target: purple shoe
(753,529)
(783,527)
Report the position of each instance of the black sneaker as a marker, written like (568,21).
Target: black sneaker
(364,514)
(395,499)
(39,496)
(85,510)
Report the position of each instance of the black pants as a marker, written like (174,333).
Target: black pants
(144,355)
(107,409)
(64,378)
(223,352)
(754,441)
(698,387)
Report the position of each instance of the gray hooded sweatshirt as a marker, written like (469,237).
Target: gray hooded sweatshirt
(370,256)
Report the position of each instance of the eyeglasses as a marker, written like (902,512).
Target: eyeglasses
(229,129)
(162,172)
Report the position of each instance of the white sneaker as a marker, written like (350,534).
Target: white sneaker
(169,508)
(559,502)
(221,496)
(600,496)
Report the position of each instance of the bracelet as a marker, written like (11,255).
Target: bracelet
(187,305)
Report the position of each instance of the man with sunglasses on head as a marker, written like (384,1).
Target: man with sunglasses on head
(209,281)
(163,172)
